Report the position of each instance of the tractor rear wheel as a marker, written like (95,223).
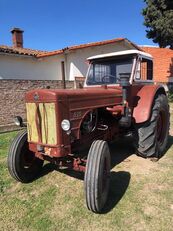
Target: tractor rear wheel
(151,137)
(22,163)
(97,176)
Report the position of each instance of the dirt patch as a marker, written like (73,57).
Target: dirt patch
(138,165)
(155,187)
(14,188)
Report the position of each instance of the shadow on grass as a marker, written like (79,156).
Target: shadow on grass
(119,183)
(72,173)
(120,151)
(169,145)
(47,168)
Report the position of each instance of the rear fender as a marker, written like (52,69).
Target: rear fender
(144,101)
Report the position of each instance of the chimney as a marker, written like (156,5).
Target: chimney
(17,37)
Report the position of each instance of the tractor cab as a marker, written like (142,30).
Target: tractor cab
(107,69)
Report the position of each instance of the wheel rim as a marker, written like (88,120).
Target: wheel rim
(161,127)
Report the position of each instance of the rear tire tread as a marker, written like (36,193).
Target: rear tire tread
(146,143)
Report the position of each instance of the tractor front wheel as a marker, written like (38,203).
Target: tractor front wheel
(151,137)
(22,163)
(97,176)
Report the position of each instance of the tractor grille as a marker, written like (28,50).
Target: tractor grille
(41,123)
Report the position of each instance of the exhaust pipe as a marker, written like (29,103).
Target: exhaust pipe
(125,120)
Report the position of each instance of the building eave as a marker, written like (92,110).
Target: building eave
(88,45)
(17,55)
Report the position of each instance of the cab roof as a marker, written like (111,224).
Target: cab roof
(121,53)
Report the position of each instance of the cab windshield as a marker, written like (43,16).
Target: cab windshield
(108,72)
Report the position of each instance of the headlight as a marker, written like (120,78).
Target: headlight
(18,121)
(65,124)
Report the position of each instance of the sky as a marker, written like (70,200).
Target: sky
(55,24)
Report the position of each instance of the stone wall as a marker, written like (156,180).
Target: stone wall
(12,101)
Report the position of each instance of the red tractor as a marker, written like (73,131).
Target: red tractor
(118,98)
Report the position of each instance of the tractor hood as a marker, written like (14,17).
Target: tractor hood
(90,94)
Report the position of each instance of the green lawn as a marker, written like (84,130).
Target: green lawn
(141,195)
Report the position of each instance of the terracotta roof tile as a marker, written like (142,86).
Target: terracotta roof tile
(50,53)
(93,44)
(20,51)
(39,54)
(102,43)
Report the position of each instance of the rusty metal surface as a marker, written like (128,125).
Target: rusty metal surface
(143,100)
(75,104)
(87,94)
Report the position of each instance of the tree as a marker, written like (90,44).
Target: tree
(158,18)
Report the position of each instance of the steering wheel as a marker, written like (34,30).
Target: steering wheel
(108,78)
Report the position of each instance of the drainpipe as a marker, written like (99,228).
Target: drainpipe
(64,67)
(63,74)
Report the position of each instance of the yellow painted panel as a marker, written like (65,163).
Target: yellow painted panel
(48,123)
(31,124)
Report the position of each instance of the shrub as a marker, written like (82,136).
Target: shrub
(170,95)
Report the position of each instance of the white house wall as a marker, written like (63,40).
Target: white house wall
(76,60)
(30,68)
